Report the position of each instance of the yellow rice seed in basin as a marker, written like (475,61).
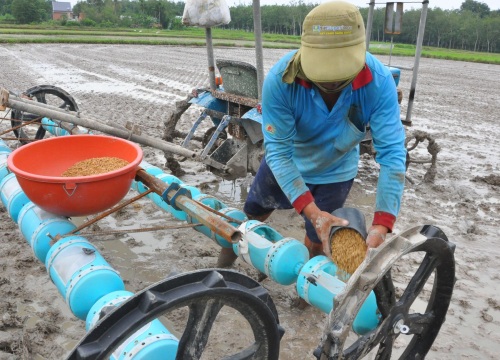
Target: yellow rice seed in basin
(95,166)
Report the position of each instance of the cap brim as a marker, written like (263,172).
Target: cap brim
(331,65)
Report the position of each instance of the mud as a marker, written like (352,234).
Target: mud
(456,102)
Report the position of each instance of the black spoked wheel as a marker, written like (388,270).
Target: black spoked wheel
(46,94)
(204,295)
(410,319)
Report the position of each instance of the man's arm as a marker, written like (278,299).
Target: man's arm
(278,127)
(389,143)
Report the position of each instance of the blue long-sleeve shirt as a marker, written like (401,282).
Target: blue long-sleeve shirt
(306,143)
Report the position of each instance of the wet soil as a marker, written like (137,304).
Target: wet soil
(457,103)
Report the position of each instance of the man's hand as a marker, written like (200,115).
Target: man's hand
(376,236)
(323,223)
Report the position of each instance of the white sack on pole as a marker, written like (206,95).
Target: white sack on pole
(206,13)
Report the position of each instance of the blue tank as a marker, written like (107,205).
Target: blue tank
(151,342)
(4,170)
(13,197)
(158,200)
(38,226)
(81,274)
(280,259)
(318,285)
(151,170)
(4,148)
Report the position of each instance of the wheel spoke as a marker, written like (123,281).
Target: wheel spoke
(418,323)
(65,105)
(42,94)
(200,321)
(369,341)
(25,117)
(40,97)
(385,294)
(418,281)
(40,133)
(385,349)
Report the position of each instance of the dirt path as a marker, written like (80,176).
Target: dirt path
(456,102)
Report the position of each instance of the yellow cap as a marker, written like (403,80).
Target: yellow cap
(333,42)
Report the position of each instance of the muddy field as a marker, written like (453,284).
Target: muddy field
(457,103)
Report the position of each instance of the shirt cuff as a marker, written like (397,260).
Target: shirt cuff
(385,219)
(302,201)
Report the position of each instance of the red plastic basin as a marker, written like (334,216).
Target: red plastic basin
(38,167)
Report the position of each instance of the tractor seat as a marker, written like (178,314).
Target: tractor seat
(238,78)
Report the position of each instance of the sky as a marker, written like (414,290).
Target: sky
(443,4)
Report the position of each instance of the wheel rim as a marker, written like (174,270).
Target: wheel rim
(396,319)
(45,94)
(204,293)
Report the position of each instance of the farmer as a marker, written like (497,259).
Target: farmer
(316,105)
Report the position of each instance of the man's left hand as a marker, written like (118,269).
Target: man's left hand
(376,235)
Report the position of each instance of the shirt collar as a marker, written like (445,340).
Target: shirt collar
(363,78)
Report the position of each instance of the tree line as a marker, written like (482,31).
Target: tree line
(473,27)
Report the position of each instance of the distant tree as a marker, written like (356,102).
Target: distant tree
(29,11)
(77,9)
(5,7)
(476,7)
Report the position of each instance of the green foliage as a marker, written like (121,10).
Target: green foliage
(28,11)
(107,24)
(7,19)
(88,22)
(475,7)
(72,23)
(176,24)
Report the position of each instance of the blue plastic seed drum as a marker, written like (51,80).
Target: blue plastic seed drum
(262,229)
(38,226)
(151,342)
(4,148)
(158,200)
(53,128)
(4,154)
(13,197)
(151,170)
(217,205)
(233,213)
(318,286)
(281,259)
(81,274)
(4,170)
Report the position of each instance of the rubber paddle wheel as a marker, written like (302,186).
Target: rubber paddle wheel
(433,281)
(46,94)
(205,294)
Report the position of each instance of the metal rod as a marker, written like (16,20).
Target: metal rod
(20,126)
(56,113)
(418,53)
(191,207)
(228,218)
(210,55)
(137,230)
(369,24)
(259,57)
(108,212)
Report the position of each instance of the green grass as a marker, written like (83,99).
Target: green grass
(196,37)
(436,53)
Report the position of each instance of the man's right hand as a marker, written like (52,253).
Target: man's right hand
(323,223)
